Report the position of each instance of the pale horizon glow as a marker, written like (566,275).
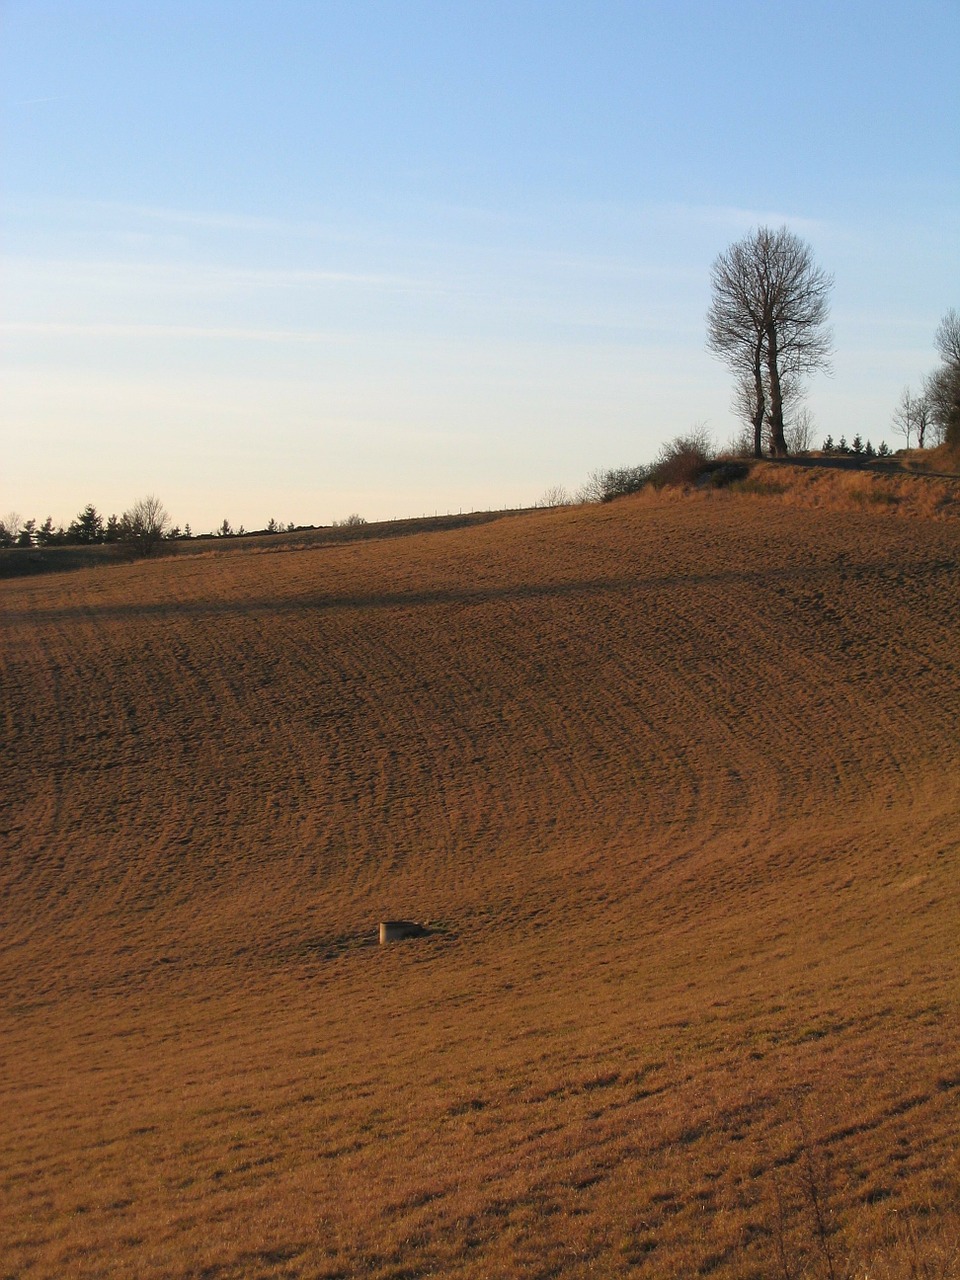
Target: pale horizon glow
(298,260)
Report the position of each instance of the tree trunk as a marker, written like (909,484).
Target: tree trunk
(778,445)
(760,409)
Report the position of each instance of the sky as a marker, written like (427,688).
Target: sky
(278,259)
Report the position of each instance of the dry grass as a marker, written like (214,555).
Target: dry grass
(678,783)
(846,489)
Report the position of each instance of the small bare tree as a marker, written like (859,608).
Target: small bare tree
(593,488)
(942,393)
(913,417)
(922,419)
(902,420)
(801,431)
(767,321)
(740,444)
(555,496)
(144,526)
(10,529)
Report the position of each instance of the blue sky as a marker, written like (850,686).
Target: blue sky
(302,259)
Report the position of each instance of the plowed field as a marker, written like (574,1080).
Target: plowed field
(677,787)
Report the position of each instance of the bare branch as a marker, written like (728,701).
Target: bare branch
(145,525)
(767,320)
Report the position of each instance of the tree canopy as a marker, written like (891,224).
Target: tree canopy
(767,321)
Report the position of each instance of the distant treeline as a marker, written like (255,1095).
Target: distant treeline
(857,449)
(91,528)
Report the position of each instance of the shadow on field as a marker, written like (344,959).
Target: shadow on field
(762,579)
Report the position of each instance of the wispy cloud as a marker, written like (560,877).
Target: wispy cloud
(44,328)
(193,278)
(216,221)
(121,211)
(734,218)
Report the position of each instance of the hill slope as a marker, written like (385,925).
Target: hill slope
(678,785)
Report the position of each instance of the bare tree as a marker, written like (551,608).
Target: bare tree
(767,320)
(10,529)
(943,395)
(556,496)
(922,418)
(913,417)
(902,420)
(145,525)
(592,489)
(942,387)
(947,338)
(801,431)
(740,444)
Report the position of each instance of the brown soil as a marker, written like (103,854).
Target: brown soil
(677,785)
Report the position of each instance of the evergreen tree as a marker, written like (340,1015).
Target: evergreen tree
(87,528)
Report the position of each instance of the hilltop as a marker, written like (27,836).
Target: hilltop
(919,481)
(676,784)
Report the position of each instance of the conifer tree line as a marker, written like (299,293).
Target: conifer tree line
(142,528)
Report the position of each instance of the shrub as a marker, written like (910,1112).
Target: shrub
(623,480)
(555,496)
(617,482)
(683,460)
(592,490)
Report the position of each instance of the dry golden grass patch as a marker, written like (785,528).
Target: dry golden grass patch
(678,784)
(845,489)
